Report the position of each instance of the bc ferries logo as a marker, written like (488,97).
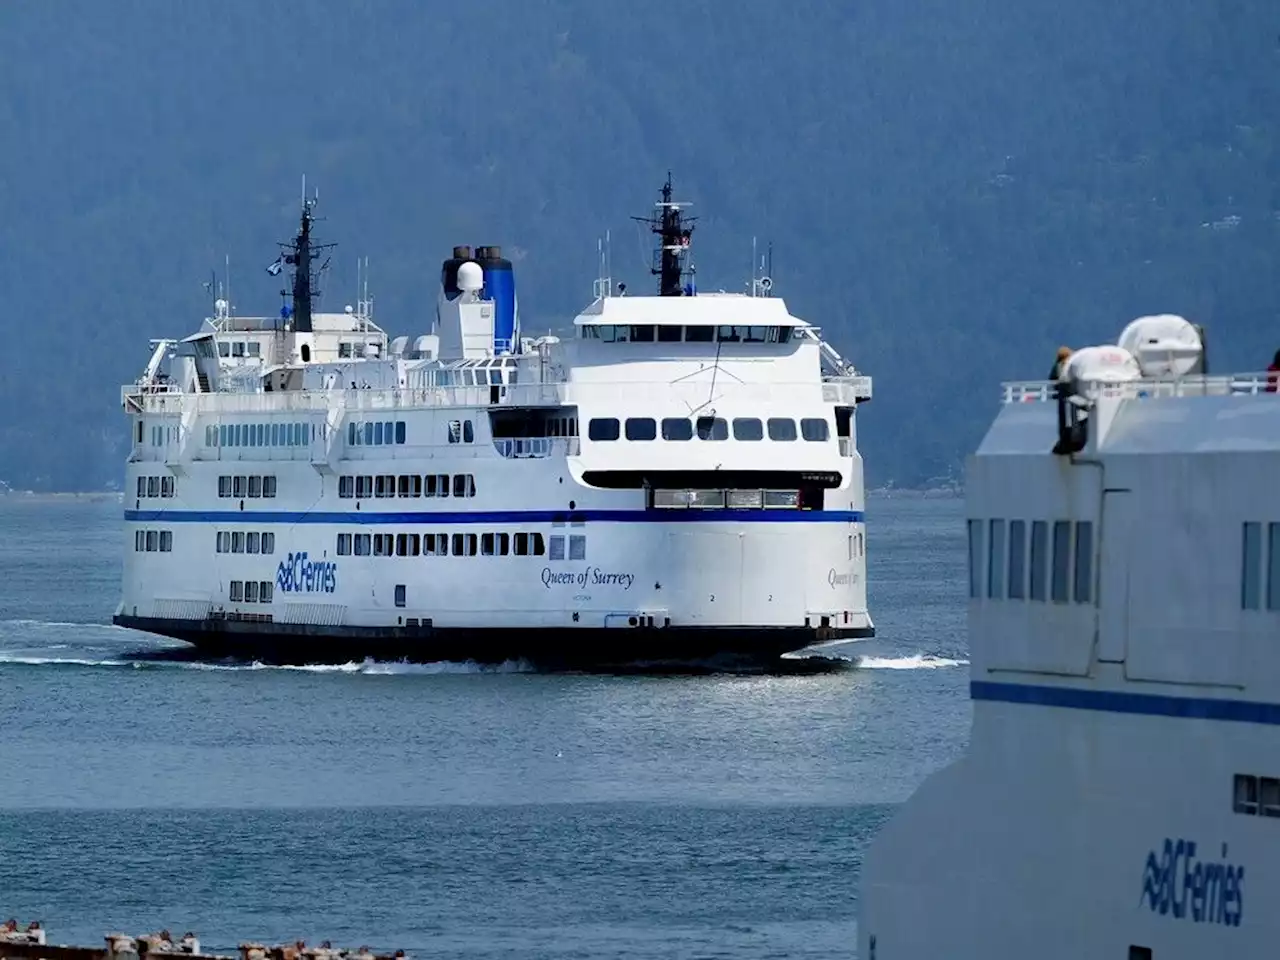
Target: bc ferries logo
(590,576)
(1175,882)
(297,574)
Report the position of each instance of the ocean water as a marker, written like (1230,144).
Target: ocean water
(450,810)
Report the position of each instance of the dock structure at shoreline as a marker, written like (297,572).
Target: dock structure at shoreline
(31,944)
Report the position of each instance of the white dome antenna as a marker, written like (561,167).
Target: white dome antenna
(470,277)
(1164,345)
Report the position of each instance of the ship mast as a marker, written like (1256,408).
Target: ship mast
(301,254)
(674,238)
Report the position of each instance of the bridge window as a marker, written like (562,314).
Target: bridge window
(782,429)
(699,334)
(1251,586)
(153,486)
(641,428)
(1084,562)
(1017,559)
(603,429)
(975,558)
(712,428)
(995,564)
(815,429)
(1060,581)
(677,428)
(1273,566)
(1039,558)
(747,428)
(670,333)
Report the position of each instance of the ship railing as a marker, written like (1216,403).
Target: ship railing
(1148,388)
(726,499)
(841,391)
(522,448)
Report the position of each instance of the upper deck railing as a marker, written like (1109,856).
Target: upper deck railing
(1223,385)
(141,398)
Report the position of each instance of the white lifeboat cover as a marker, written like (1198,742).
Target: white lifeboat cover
(1104,364)
(1165,345)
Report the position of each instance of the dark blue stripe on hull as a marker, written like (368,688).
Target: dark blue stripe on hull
(550,647)
(373,517)
(1115,701)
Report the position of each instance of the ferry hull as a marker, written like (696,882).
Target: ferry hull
(544,647)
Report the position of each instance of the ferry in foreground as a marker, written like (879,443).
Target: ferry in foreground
(1124,613)
(677,481)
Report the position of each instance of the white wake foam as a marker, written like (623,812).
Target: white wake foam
(918,661)
(370,668)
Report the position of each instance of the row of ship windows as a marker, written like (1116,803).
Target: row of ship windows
(664,333)
(239,348)
(1258,796)
(253,487)
(573,547)
(155,487)
(259,435)
(781,429)
(160,435)
(250,591)
(241,541)
(374,433)
(153,541)
(1253,568)
(1058,566)
(407,485)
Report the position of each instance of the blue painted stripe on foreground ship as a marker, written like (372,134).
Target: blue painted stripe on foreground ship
(376,518)
(1141,704)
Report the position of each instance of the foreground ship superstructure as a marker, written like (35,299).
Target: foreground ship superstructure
(1117,794)
(679,479)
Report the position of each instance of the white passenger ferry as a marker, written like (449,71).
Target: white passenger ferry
(1124,624)
(678,480)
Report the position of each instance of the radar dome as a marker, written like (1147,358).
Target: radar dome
(1165,345)
(470,277)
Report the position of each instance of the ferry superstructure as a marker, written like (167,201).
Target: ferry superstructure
(1124,612)
(678,480)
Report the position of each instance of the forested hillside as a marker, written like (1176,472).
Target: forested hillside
(952,187)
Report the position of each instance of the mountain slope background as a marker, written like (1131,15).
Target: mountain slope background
(952,187)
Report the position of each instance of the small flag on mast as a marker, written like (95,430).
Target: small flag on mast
(276,267)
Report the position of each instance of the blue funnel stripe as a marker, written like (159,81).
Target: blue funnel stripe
(500,287)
